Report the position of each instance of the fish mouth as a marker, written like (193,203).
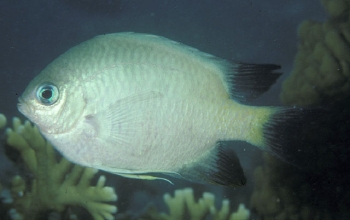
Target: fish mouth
(23,107)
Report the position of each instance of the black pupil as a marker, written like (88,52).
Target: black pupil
(46,94)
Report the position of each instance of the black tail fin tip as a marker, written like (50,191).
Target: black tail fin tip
(297,136)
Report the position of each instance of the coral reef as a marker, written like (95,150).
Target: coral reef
(318,190)
(283,192)
(55,185)
(320,77)
(184,203)
(183,206)
(322,65)
(2,121)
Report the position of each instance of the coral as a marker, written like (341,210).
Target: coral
(322,65)
(321,76)
(2,121)
(184,206)
(55,185)
(283,192)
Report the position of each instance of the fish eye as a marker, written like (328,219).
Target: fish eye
(47,93)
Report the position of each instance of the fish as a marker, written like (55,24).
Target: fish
(144,106)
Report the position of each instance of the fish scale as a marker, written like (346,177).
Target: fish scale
(139,105)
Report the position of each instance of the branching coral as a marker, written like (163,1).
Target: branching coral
(55,185)
(2,121)
(322,65)
(183,206)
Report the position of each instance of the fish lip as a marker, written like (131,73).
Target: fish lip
(20,100)
(23,107)
(20,103)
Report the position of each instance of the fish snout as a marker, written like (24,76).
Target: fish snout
(23,107)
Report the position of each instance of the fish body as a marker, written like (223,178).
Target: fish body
(134,104)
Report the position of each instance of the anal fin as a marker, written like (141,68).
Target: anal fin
(219,166)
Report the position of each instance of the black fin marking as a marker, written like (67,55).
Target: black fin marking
(219,166)
(311,139)
(248,81)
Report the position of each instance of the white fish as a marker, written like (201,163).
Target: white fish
(137,105)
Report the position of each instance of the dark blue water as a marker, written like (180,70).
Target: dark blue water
(33,33)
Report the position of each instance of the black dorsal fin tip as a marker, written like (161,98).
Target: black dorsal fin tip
(219,166)
(249,81)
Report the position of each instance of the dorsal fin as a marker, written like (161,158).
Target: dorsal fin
(244,82)
(248,81)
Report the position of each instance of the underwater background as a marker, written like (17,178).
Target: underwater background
(34,33)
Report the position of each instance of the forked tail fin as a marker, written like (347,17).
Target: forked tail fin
(302,137)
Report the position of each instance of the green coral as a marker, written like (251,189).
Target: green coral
(56,184)
(321,75)
(283,192)
(183,206)
(2,121)
(322,65)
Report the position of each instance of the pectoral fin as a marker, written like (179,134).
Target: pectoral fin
(118,123)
